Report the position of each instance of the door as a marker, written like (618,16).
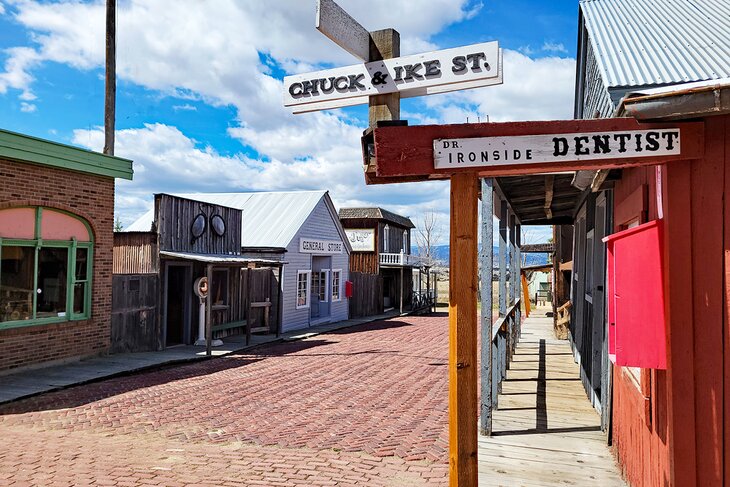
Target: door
(321,295)
(175,292)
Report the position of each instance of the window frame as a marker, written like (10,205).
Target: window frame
(307,280)
(338,273)
(72,246)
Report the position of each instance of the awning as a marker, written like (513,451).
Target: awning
(220,258)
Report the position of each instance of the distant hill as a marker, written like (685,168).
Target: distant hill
(442,253)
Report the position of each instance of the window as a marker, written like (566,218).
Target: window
(336,280)
(319,284)
(303,289)
(405,242)
(45,267)
(386,239)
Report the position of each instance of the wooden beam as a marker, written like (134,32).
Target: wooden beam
(487,263)
(110,85)
(408,151)
(549,180)
(463,332)
(208,308)
(384,44)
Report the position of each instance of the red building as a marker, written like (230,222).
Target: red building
(56,236)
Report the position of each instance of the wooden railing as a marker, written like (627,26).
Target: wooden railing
(403,260)
(506,332)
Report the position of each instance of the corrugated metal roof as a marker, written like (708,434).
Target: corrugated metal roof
(658,42)
(375,212)
(270,219)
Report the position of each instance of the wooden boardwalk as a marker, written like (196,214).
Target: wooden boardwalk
(545,430)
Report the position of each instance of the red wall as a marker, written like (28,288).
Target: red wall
(91,197)
(675,429)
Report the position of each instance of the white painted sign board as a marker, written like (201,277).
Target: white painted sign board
(343,30)
(536,149)
(314,246)
(361,239)
(421,74)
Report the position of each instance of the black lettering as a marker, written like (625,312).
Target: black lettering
(472,157)
(355,81)
(323,85)
(338,83)
(601,144)
(315,87)
(412,71)
(671,137)
(454,144)
(560,146)
(622,139)
(495,155)
(433,68)
(307,87)
(460,157)
(485,156)
(398,73)
(516,154)
(295,90)
(446,144)
(652,141)
(579,149)
(459,64)
(528,154)
(474,58)
(638,142)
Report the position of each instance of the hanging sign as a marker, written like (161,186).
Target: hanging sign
(421,74)
(535,149)
(313,246)
(361,239)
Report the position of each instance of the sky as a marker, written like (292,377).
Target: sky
(199,89)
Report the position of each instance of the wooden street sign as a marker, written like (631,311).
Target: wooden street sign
(343,30)
(420,74)
(518,148)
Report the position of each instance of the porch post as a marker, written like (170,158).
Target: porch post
(487,262)
(503,216)
(402,262)
(518,281)
(208,306)
(280,307)
(463,331)
(512,331)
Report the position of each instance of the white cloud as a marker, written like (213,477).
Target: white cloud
(554,47)
(26,107)
(2,9)
(184,108)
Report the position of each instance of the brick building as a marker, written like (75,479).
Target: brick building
(56,236)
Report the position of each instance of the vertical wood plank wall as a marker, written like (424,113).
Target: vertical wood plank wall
(677,431)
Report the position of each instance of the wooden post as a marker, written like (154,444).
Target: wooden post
(503,258)
(384,44)
(512,329)
(487,262)
(462,332)
(110,86)
(208,314)
(518,281)
(401,282)
(279,306)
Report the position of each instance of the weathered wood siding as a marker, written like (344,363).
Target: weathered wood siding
(395,238)
(135,253)
(367,294)
(320,225)
(135,324)
(366,262)
(175,220)
(596,99)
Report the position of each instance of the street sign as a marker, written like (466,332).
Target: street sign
(420,74)
(343,30)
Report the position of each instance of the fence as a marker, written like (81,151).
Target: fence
(506,332)
(367,294)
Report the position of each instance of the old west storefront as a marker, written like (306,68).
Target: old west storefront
(56,220)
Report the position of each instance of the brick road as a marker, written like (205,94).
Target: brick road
(363,406)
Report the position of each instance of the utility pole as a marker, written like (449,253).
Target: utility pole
(110,87)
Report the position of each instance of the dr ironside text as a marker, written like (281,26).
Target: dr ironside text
(574,146)
(407,72)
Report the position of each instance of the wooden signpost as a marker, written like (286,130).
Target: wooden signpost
(394,152)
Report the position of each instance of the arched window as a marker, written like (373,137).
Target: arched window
(46,260)
(405,242)
(386,239)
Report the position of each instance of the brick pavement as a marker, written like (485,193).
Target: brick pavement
(363,406)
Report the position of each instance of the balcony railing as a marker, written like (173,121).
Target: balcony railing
(403,260)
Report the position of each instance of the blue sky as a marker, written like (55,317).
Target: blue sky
(199,104)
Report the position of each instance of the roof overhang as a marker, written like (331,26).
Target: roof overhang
(219,259)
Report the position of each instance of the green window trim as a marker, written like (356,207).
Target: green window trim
(72,246)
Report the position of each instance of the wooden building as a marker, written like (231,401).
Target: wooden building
(297,231)
(155,272)
(381,263)
(56,220)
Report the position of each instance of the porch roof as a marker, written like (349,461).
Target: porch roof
(541,199)
(220,259)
